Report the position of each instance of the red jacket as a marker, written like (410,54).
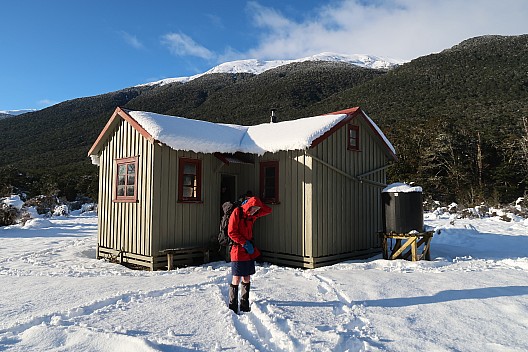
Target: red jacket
(240,228)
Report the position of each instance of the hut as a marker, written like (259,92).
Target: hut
(161,180)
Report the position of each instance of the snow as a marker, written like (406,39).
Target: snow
(13,201)
(257,67)
(473,296)
(399,187)
(206,137)
(17,112)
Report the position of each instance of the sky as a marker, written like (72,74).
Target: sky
(57,50)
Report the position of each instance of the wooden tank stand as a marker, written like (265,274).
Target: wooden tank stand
(411,242)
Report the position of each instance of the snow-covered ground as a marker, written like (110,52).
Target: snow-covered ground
(473,296)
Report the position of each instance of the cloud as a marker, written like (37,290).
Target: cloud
(131,40)
(44,103)
(180,44)
(402,29)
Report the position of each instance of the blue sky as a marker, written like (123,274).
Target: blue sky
(56,50)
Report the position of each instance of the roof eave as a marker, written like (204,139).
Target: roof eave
(118,113)
(352,113)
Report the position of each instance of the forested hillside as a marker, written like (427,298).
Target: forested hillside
(455,118)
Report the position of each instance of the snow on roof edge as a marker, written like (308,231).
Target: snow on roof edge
(207,137)
(382,135)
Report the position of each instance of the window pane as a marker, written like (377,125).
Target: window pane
(269,192)
(131,168)
(121,180)
(188,192)
(189,169)
(131,180)
(130,191)
(120,191)
(269,182)
(270,172)
(188,180)
(121,169)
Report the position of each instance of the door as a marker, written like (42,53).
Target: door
(228,191)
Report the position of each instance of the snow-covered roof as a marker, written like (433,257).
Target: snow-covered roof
(206,137)
(199,136)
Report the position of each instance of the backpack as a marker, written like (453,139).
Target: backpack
(223,237)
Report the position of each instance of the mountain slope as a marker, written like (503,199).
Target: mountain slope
(257,67)
(454,118)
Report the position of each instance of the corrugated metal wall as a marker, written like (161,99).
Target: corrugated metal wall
(176,224)
(125,226)
(284,231)
(346,214)
(321,212)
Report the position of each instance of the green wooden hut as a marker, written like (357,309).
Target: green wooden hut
(161,178)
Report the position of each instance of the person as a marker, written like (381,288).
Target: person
(245,197)
(243,252)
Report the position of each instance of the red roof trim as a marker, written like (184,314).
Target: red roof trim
(106,130)
(221,157)
(352,113)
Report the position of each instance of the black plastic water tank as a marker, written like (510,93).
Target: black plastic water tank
(402,209)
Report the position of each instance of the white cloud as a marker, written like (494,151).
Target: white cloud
(131,40)
(402,29)
(180,44)
(44,103)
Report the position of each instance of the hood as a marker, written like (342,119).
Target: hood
(253,201)
(227,206)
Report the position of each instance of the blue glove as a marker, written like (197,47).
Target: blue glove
(248,247)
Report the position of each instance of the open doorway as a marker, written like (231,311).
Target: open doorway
(228,191)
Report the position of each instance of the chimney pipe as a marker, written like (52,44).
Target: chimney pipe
(273,118)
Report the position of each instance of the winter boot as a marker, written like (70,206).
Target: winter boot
(233,298)
(244,299)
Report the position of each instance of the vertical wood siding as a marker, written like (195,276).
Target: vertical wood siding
(321,212)
(185,224)
(346,213)
(125,226)
(284,231)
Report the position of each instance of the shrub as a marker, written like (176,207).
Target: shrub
(8,215)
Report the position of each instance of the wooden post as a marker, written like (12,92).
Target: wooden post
(170,261)
(413,249)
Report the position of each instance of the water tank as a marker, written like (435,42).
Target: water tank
(402,208)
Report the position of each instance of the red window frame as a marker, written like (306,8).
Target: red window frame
(126,179)
(185,180)
(353,138)
(269,182)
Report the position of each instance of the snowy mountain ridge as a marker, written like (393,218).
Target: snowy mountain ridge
(5,114)
(16,112)
(256,67)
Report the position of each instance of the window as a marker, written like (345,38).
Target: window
(353,137)
(190,180)
(126,180)
(269,181)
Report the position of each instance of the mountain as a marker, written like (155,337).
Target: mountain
(259,66)
(10,113)
(454,117)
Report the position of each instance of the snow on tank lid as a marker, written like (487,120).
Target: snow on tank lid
(401,188)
